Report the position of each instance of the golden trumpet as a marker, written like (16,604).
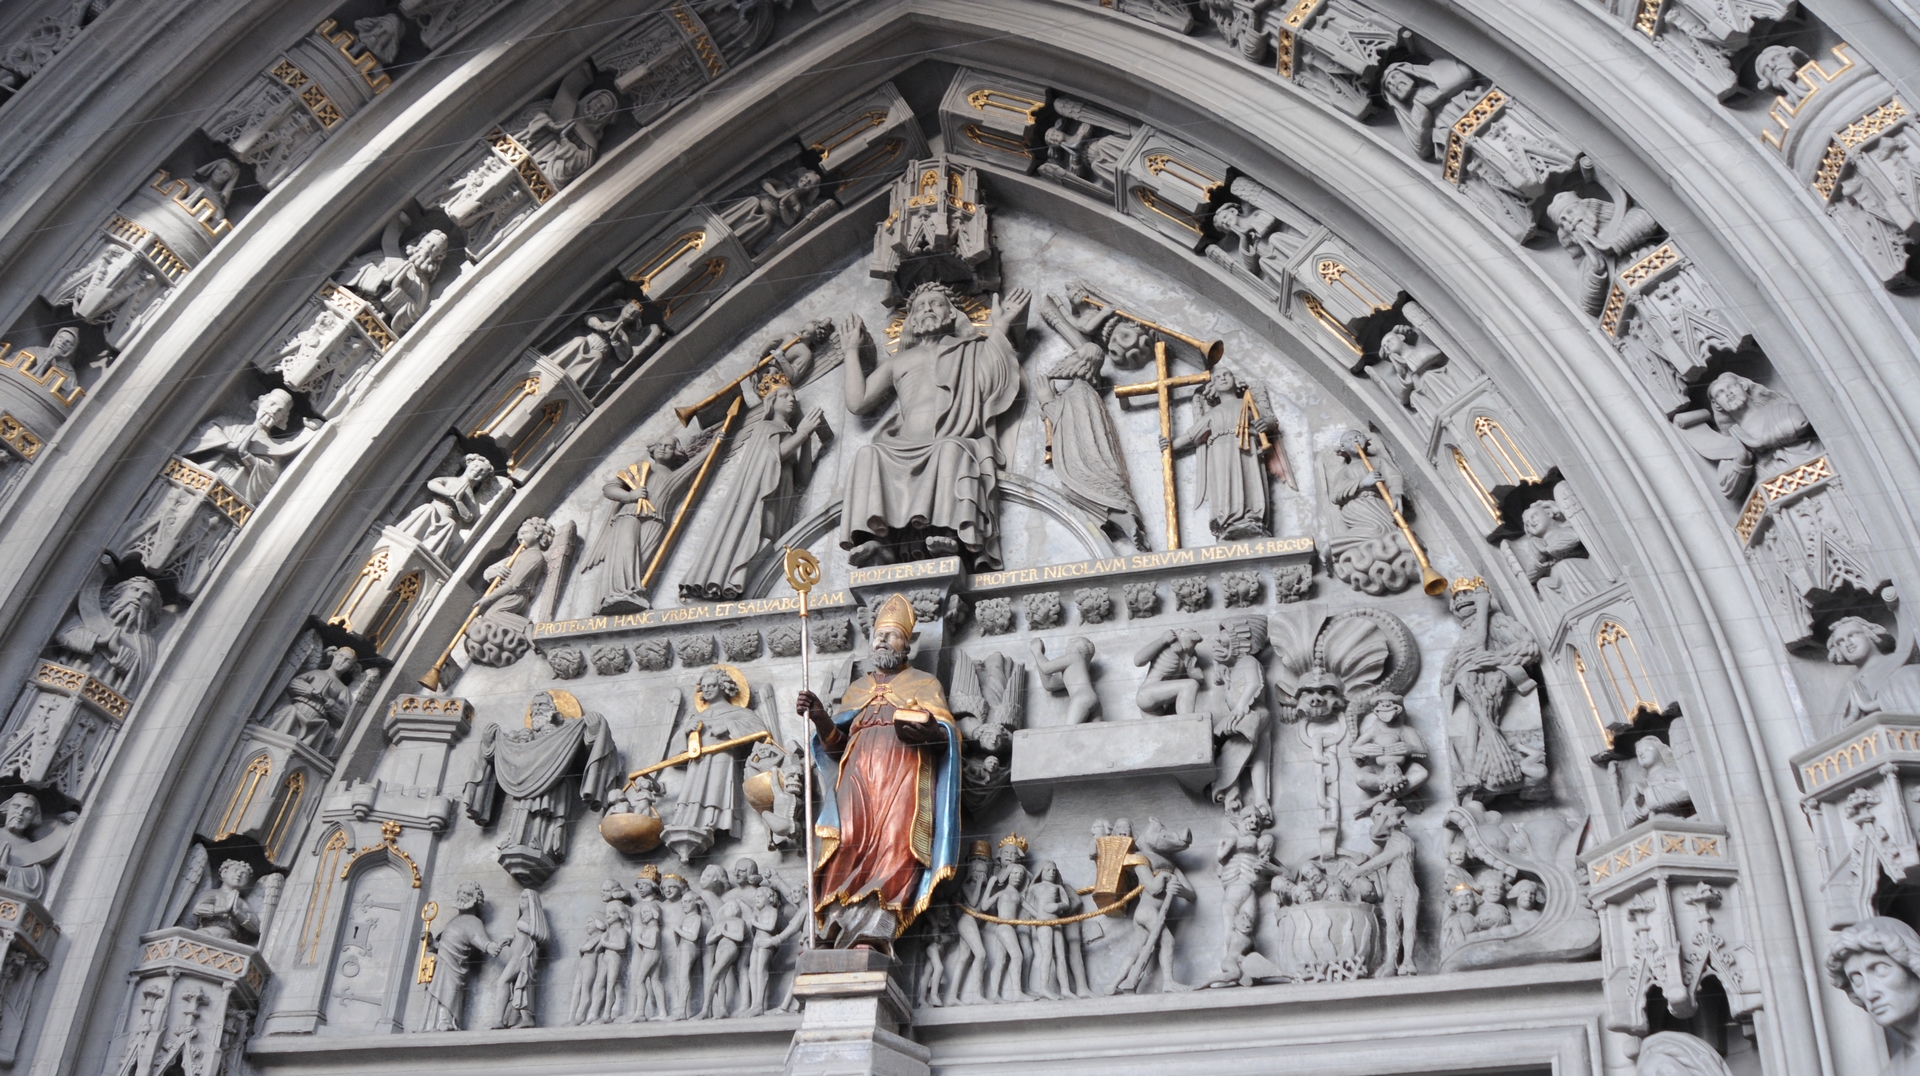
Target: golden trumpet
(1432,583)
(685,414)
(1211,350)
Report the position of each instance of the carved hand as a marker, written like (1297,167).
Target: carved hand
(1010,313)
(1166,444)
(810,707)
(852,332)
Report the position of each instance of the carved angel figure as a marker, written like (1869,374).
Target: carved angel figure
(1552,556)
(769,465)
(111,640)
(453,503)
(1661,789)
(598,358)
(498,635)
(708,802)
(224,912)
(1087,458)
(320,698)
(1749,430)
(1367,550)
(631,539)
(1886,683)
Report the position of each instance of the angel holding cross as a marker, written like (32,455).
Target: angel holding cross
(1232,438)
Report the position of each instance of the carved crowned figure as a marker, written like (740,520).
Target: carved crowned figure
(563,753)
(888,756)
(926,484)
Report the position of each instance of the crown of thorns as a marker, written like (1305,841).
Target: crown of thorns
(930,286)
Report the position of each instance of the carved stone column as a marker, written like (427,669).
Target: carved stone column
(194,998)
(1857,790)
(1667,895)
(27,937)
(850,1018)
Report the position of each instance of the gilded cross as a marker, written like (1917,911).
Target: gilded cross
(1162,386)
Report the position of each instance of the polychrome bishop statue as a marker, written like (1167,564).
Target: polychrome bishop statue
(888,830)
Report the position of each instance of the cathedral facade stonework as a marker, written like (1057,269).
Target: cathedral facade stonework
(959,536)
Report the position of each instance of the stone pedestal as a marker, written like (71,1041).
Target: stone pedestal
(1856,787)
(850,1016)
(193,1004)
(1180,746)
(61,729)
(27,936)
(273,784)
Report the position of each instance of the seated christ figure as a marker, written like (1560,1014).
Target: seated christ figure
(925,485)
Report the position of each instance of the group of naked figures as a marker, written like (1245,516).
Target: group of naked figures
(640,953)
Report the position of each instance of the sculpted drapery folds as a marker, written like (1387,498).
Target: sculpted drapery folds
(1367,549)
(1487,668)
(1087,458)
(925,486)
(561,754)
(889,759)
(768,468)
(1229,423)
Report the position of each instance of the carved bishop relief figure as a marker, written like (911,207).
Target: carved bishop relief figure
(562,754)
(889,752)
(926,485)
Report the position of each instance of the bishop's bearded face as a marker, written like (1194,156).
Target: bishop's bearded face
(889,648)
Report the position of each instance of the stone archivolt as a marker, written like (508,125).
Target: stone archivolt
(991,518)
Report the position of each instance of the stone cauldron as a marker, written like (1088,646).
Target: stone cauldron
(1329,940)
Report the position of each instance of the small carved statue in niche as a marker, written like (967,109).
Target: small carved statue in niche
(462,942)
(498,634)
(112,641)
(1761,431)
(1388,752)
(1877,963)
(1604,237)
(561,136)
(453,503)
(318,701)
(1551,553)
(1366,550)
(1085,146)
(224,911)
(562,753)
(1660,790)
(1173,672)
(171,534)
(1239,711)
(1233,435)
(1072,673)
(1409,360)
(520,965)
(1510,159)
(1886,683)
(925,486)
(769,466)
(1083,444)
(599,990)
(1777,68)
(398,282)
(785,198)
(648,992)
(1676,1053)
(24,858)
(597,358)
(706,805)
(1485,672)
(1249,862)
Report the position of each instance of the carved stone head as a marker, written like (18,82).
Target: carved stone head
(135,604)
(1527,894)
(746,872)
(64,343)
(469,897)
(930,314)
(1319,697)
(1777,68)
(717,686)
(21,813)
(272,409)
(428,253)
(236,875)
(535,533)
(1855,640)
(1541,516)
(1877,963)
(611,890)
(1730,393)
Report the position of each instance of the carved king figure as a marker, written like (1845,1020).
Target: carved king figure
(889,828)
